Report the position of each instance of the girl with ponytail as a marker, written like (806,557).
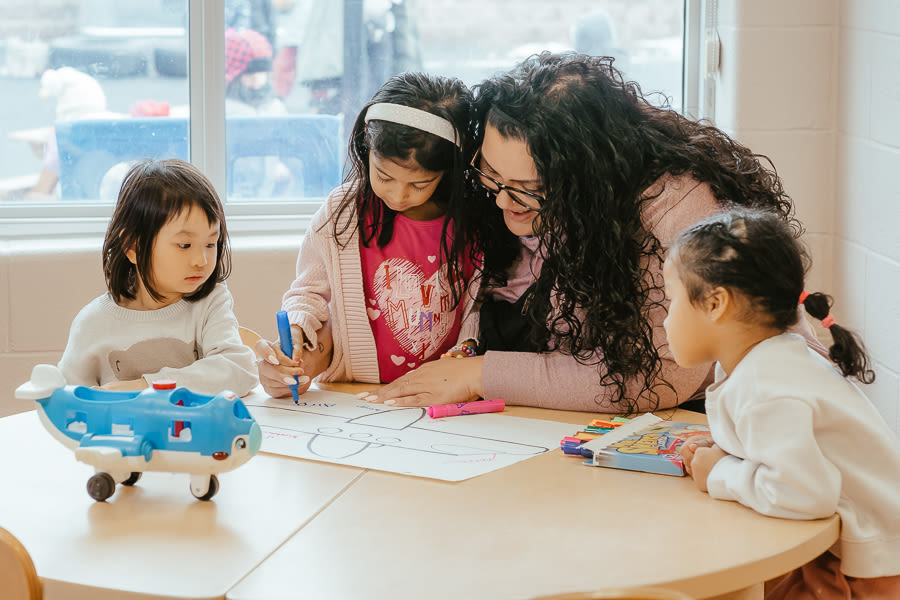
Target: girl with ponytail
(847,351)
(791,435)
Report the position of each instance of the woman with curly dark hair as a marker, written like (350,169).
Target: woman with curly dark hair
(593,183)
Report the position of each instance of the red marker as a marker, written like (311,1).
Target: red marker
(466,408)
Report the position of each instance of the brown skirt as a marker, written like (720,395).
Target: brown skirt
(821,579)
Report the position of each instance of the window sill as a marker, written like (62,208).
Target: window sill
(65,226)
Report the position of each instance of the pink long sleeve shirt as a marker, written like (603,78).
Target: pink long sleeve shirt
(557,380)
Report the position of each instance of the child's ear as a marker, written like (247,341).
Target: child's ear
(131,254)
(717,303)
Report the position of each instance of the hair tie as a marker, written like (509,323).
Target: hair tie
(803,296)
(828,321)
(413,117)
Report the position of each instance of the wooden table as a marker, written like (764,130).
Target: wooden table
(544,525)
(154,540)
(289,528)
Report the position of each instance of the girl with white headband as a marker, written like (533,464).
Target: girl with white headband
(377,291)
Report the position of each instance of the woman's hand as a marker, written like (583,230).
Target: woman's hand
(703,462)
(689,447)
(277,371)
(443,381)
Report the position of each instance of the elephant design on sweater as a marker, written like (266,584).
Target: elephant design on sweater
(149,356)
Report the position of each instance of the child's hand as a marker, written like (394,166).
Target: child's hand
(690,446)
(129,385)
(277,371)
(703,462)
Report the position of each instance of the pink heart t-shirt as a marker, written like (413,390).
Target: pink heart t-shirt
(408,297)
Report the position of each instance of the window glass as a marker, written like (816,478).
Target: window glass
(328,58)
(88,85)
(73,73)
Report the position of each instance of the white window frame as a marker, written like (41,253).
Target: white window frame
(63,221)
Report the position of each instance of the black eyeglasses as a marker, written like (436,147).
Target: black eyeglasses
(494,187)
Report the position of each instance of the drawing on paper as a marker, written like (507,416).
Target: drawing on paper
(337,427)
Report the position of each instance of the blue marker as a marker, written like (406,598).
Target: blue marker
(287,345)
(575,449)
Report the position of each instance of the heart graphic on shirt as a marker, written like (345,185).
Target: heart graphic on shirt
(432,258)
(397,360)
(372,301)
(415,308)
(411,365)
(374,313)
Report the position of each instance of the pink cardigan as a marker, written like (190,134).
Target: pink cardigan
(556,380)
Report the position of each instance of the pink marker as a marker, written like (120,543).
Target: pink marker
(466,408)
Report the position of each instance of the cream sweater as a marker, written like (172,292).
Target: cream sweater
(195,343)
(804,443)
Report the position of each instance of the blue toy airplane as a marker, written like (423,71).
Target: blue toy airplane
(162,428)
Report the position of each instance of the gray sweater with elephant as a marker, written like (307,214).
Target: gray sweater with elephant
(195,343)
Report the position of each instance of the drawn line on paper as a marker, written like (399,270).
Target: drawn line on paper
(334,442)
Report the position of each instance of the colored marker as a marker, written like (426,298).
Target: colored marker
(287,345)
(466,408)
(577,451)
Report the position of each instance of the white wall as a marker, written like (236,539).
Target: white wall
(814,84)
(867,216)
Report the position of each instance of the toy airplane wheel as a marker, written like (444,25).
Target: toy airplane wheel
(204,490)
(133,479)
(101,486)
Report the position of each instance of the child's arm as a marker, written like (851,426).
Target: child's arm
(80,362)
(307,300)
(781,470)
(126,386)
(224,362)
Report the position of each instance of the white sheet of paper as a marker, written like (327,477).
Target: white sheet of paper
(343,429)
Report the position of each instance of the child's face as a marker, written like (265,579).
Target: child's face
(404,186)
(184,257)
(687,326)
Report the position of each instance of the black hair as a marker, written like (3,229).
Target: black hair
(445,97)
(153,193)
(598,145)
(756,254)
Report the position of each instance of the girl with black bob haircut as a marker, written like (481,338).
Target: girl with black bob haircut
(152,192)
(167,313)
(791,435)
(592,182)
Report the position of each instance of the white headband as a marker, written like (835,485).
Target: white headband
(413,117)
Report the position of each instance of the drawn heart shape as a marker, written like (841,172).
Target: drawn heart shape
(415,308)
(372,301)
(432,258)
(397,360)
(411,365)
(374,313)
